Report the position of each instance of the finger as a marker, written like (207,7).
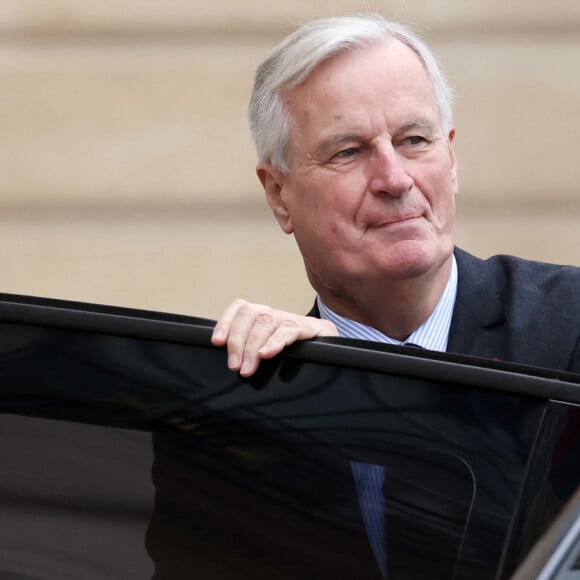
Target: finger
(264,325)
(296,328)
(250,327)
(286,331)
(223,326)
(317,327)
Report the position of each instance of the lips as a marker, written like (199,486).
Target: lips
(396,219)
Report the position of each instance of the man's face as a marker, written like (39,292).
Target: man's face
(370,195)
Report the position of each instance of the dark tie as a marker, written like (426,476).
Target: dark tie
(369,481)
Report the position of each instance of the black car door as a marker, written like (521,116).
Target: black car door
(130,451)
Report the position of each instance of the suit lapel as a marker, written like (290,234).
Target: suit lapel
(479,312)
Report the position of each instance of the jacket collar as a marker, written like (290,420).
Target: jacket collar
(479,308)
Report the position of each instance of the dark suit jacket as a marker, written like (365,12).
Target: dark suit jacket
(518,311)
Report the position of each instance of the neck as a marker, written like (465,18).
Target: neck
(394,307)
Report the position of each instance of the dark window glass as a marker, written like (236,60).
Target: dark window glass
(310,470)
(75,501)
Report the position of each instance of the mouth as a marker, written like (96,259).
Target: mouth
(395,220)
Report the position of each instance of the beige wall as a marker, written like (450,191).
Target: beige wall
(127,170)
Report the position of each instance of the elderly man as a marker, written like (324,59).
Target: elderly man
(352,122)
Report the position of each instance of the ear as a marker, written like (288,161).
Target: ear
(273,182)
(452,158)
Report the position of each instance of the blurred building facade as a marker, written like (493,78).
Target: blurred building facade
(127,170)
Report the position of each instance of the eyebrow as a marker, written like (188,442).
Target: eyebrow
(338,140)
(418,123)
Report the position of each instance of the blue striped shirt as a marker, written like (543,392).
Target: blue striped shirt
(433,334)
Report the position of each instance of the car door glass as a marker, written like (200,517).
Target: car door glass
(257,477)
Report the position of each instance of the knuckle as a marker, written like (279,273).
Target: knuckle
(237,304)
(236,341)
(242,306)
(328,325)
(264,319)
(250,309)
(290,323)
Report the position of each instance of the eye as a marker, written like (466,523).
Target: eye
(415,140)
(347,153)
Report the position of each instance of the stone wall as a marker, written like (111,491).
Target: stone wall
(127,172)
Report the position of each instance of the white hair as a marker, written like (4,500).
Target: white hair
(295,58)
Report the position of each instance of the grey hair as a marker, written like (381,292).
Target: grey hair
(295,58)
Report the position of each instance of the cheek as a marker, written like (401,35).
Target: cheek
(326,231)
(444,211)
(326,206)
(450,212)
(331,206)
(440,191)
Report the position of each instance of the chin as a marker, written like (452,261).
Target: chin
(412,259)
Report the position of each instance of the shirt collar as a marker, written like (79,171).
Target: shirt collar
(433,334)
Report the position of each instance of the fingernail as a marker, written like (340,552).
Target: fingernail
(218,335)
(246,368)
(233,361)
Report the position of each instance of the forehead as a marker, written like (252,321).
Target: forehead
(383,84)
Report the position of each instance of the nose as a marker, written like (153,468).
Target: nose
(388,173)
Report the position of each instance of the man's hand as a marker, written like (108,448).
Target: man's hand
(253,332)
